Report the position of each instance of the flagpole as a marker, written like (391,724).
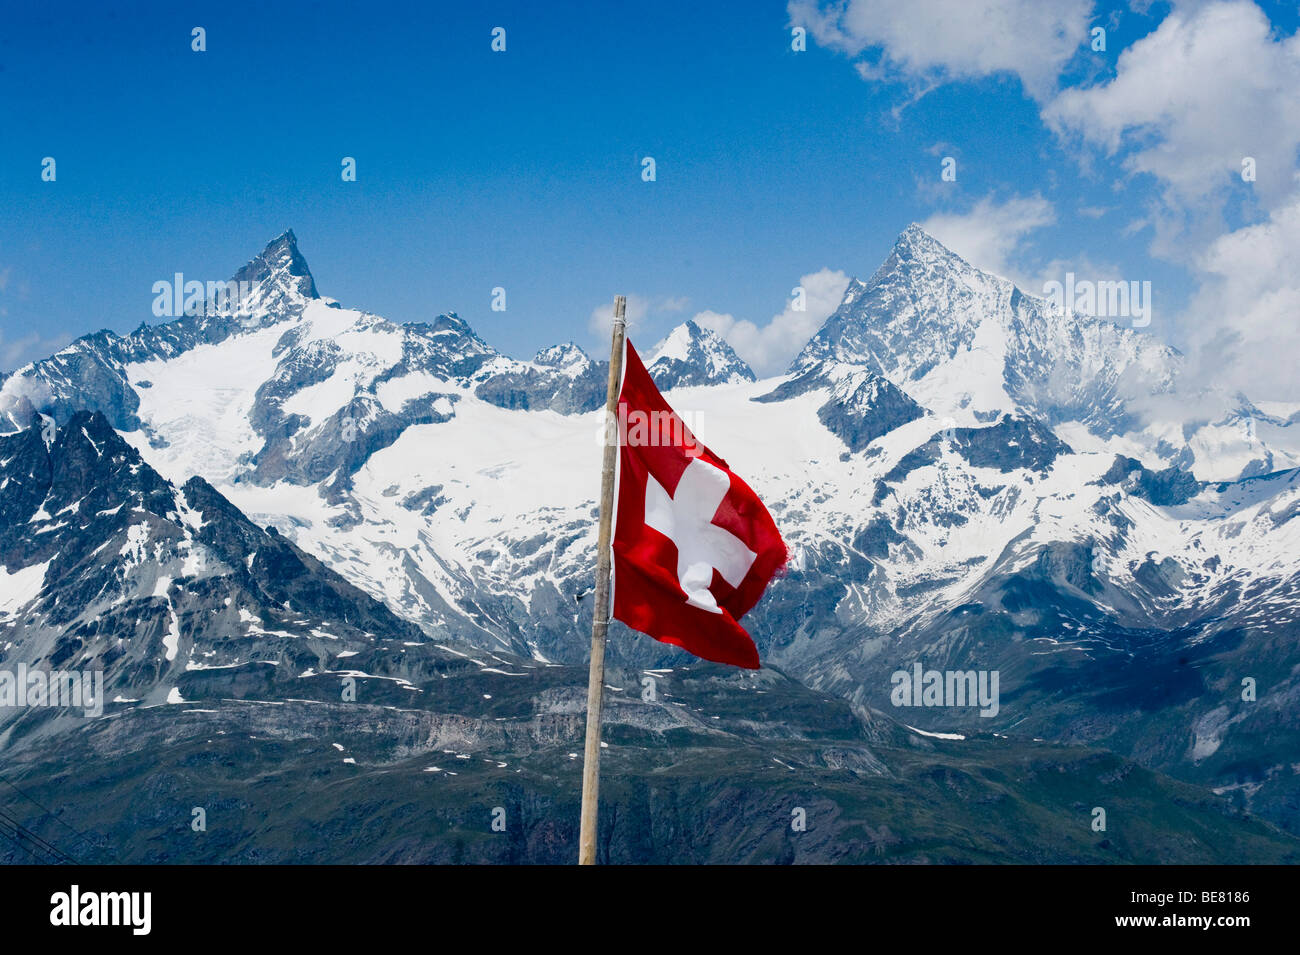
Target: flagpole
(600,612)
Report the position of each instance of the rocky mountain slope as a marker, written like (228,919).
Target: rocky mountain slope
(109,567)
(470,763)
(969,480)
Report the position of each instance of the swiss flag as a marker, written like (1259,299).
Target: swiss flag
(694,547)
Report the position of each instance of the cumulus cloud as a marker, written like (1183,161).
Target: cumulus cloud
(18,391)
(925,43)
(769,348)
(1209,87)
(1187,104)
(1243,318)
(990,235)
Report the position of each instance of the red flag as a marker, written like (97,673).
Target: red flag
(694,547)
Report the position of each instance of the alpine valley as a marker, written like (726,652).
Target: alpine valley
(335,571)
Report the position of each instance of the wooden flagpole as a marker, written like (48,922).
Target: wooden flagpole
(601,610)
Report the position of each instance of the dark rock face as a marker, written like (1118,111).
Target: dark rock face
(1164,488)
(341,444)
(86,374)
(301,367)
(868,411)
(876,536)
(1013,443)
(1010,445)
(861,407)
(146,581)
(800,384)
(532,389)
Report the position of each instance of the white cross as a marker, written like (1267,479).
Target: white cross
(686,519)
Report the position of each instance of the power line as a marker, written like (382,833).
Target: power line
(52,814)
(16,831)
(13,837)
(23,832)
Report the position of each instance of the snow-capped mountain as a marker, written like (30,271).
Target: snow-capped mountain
(105,565)
(967,478)
(692,355)
(970,346)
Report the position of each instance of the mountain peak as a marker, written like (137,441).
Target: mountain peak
(685,336)
(694,355)
(965,343)
(451,323)
(286,243)
(914,232)
(916,257)
(914,243)
(566,357)
(281,266)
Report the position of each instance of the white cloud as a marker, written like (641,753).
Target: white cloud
(18,387)
(991,237)
(992,232)
(769,348)
(953,39)
(1208,88)
(1213,84)
(1243,318)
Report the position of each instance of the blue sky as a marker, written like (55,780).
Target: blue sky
(522,169)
